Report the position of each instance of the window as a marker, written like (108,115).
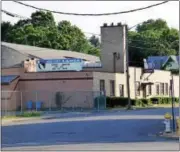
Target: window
(121,90)
(157,89)
(149,90)
(102,85)
(112,88)
(137,88)
(162,88)
(166,88)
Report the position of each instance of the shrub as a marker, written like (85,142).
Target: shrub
(138,102)
(163,100)
(30,114)
(118,101)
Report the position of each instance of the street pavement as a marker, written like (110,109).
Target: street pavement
(118,130)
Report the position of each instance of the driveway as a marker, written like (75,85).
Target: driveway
(97,131)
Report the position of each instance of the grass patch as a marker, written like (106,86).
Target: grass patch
(23,115)
(30,114)
(9,117)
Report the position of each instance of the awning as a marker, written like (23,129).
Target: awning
(7,79)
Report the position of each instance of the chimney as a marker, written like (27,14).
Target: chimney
(119,24)
(112,24)
(105,25)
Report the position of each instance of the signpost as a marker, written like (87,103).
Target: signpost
(172,95)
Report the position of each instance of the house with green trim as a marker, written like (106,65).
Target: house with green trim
(169,63)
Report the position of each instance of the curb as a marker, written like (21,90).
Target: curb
(170,136)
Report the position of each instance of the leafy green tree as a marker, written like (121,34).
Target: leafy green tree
(42,31)
(94,41)
(6,27)
(152,38)
(40,18)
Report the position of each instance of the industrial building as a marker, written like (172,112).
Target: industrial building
(108,75)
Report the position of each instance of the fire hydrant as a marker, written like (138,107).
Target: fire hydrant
(167,121)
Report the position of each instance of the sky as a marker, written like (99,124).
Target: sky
(168,11)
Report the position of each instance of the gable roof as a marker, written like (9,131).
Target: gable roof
(46,53)
(7,79)
(160,61)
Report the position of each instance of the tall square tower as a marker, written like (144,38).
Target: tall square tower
(113,47)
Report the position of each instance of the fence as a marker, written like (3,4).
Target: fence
(14,102)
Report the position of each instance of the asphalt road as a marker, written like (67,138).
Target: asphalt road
(132,130)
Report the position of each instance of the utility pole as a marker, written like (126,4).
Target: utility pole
(172,95)
(127,66)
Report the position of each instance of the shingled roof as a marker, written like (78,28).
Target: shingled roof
(159,61)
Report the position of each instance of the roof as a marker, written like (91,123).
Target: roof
(46,53)
(159,61)
(7,79)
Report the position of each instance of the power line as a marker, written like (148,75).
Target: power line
(132,46)
(101,14)
(13,14)
(144,48)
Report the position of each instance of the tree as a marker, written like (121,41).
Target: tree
(95,41)
(40,18)
(152,38)
(151,24)
(42,31)
(6,28)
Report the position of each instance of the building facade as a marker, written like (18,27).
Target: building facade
(82,87)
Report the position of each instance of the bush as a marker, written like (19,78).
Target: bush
(163,100)
(119,101)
